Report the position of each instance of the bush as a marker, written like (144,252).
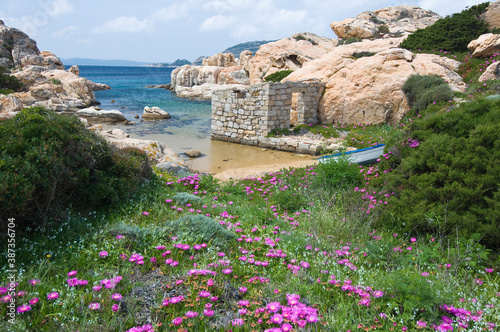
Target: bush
(277,76)
(8,82)
(450,182)
(358,55)
(422,91)
(335,175)
(49,162)
(185,198)
(199,229)
(452,33)
(349,40)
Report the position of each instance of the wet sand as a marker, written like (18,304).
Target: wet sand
(225,160)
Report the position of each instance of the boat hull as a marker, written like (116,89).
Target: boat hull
(362,156)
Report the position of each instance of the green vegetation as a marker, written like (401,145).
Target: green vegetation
(278,76)
(452,33)
(347,41)
(49,162)
(358,55)
(55,81)
(299,36)
(450,183)
(8,83)
(422,91)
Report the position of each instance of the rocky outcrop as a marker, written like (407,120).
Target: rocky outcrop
(154,113)
(220,60)
(75,70)
(156,150)
(287,54)
(189,76)
(233,75)
(203,91)
(368,90)
(101,116)
(245,58)
(491,73)
(492,15)
(486,45)
(397,20)
(45,82)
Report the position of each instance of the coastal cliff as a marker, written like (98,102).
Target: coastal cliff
(45,82)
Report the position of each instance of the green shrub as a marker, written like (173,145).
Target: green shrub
(9,82)
(340,174)
(55,81)
(453,174)
(49,162)
(347,41)
(299,36)
(452,33)
(422,91)
(199,229)
(383,29)
(185,198)
(277,76)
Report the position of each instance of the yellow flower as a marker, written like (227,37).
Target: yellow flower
(48,256)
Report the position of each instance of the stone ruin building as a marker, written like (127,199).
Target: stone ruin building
(248,115)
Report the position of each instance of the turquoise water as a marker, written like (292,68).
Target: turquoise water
(130,95)
(189,127)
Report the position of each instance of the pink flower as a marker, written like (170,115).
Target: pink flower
(208,312)
(52,296)
(277,319)
(274,307)
(117,296)
(145,213)
(191,314)
(23,308)
(177,321)
(286,327)
(94,306)
(210,282)
(97,288)
(34,300)
(115,307)
(204,293)
(489,270)
(243,289)
(421,324)
(103,253)
(413,239)
(70,274)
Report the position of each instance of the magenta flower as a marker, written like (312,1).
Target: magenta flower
(97,288)
(413,239)
(33,282)
(177,321)
(421,324)
(204,293)
(23,308)
(103,253)
(277,319)
(72,273)
(94,306)
(243,289)
(424,274)
(145,213)
(210,282)
(273,307)
(176,299)
(227,271)
(286,327)
(489,270)
(117,296)
(238,322)
(119,237)
(208,312)
(52,296)
(115,307)
(34,300)
(191,314)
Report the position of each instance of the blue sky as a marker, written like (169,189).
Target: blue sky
(162,31)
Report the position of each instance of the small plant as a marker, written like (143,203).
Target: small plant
(278,132)
(383,29)
(422,91)
(338,174)
(278,76)
(358,55)
(351,40)
(55,81)
(375,20)
(199,228)
(184,198)
(9,82)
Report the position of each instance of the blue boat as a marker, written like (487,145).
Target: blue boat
(361,156)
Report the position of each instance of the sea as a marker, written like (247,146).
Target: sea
(189,127)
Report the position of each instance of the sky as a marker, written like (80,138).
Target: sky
(166,30)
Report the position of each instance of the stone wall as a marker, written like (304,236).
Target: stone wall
(247,115)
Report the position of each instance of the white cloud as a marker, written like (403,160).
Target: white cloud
(217,22)
(444,8)
(56,7)
(226,6)
(124,24)
(172,12)
(66,31)
(31,25)
(244,31)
